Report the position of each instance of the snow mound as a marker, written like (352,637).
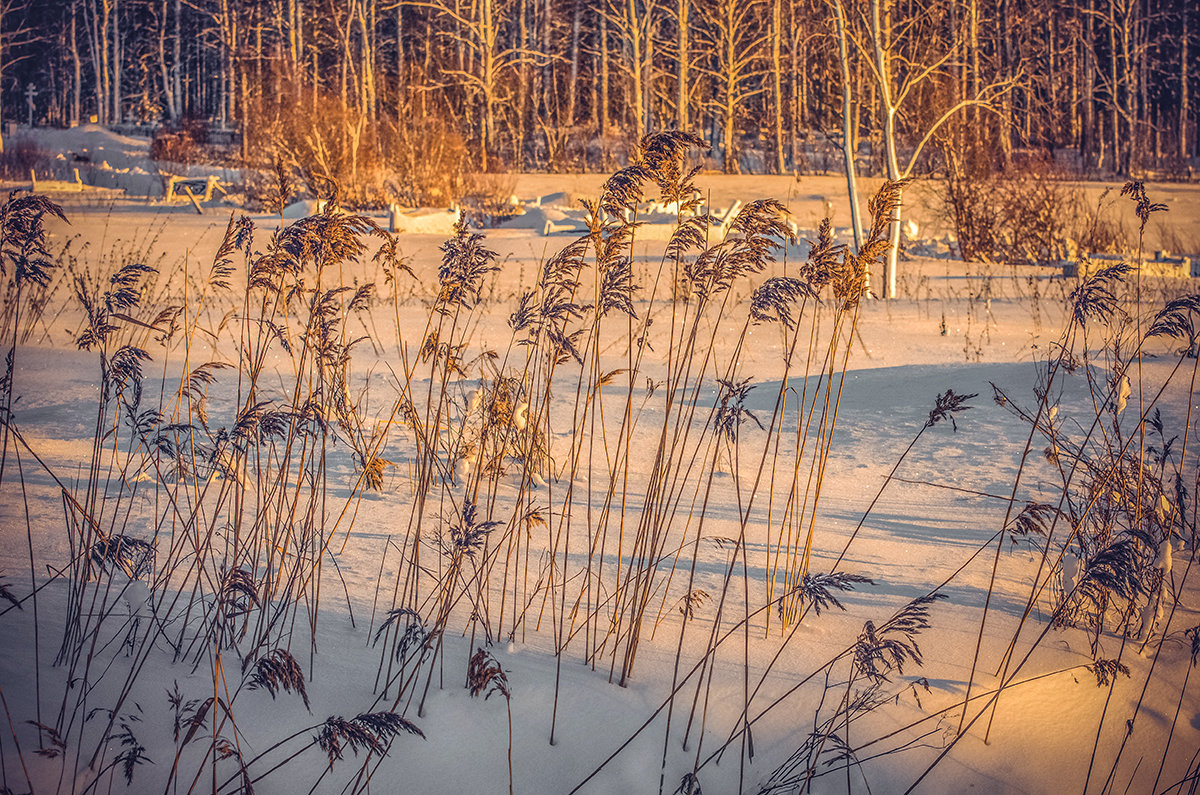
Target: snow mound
(563,199)
(548,220)
(423,220)
(303,209)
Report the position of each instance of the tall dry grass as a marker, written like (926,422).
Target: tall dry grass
(559,486)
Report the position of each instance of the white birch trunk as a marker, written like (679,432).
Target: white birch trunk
(116,62)
(76,69)
(636,45)
(103,75)
(604,76)
(1184,97)
(880,29)
(177,61)
(777,81)
(683,23)
(849,138)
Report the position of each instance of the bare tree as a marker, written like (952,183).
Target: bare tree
(683,26)
(1112,78)
(167,67)
(602,99)
(1184,96)
(479,34)
(98,14)
(117,62)
(891,41)
(633,22)
(776,36)
(226,25)
(15,33)
(76,66)
(849,139)
(573,58)
(734,29)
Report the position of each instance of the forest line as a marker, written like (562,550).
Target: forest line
(779,86)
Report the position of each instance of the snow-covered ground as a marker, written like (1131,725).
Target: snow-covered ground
(650,524)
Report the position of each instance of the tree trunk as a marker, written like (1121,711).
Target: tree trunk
(400,76)
(523,39)
(1184,97)
(777,81)
(973,42)
(1049,120)
(176,61)
(116,62)
(683,24)
(103,75)
(729,87)
(1091,144)
(799,97)
(1114,113)
(169,96)
(636,53)
(1126,77)
(648,70)
(76,69)
(489,77)
(2,57)
(547,71)
(347,64)
(1007,122)
(880,29)
(366,42)
(226,65)
(235,66)
(573,80)
(848,136)
(730,154)
(604,76)
(1076,130)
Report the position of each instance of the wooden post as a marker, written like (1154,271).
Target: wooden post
(195,203)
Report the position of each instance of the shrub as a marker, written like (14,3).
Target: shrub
(489,198)
(179,144)
(1020,214)
(426,160)
(372,160)
(22,156)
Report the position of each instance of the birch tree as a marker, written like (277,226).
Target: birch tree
(902,61)
(116,62)
(1184,95)
(573,58)
(1114,79)
(777,111)
(166,18)
(98,14)
(849,139)
(490,59)
(601,103)
(15,33)
(633,22)
(735,32)
(683,27)
(76,67)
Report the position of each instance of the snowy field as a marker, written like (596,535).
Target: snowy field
(694,520)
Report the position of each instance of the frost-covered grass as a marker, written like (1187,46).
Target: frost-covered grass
(312,514)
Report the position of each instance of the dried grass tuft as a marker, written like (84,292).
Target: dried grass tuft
(276,671)
(370,731)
